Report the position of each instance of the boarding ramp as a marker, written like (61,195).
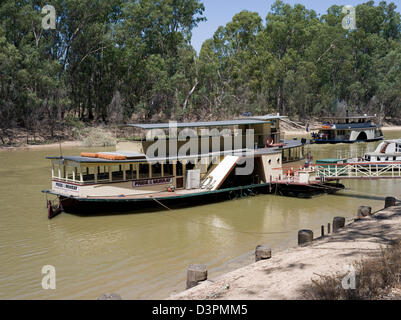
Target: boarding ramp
(216,178)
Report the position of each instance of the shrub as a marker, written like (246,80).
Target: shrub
(375,277)
(97,137)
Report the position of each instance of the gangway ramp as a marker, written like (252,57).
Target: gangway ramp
(216,178)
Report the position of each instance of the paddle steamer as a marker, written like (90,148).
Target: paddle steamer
(348,130)
(140,176)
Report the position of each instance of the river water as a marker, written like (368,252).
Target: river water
(145,256)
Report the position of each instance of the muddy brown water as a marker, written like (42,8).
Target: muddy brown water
(145,256)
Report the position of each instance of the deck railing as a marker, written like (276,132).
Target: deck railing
(359,171)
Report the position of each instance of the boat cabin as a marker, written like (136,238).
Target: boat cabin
(348,129)
(204,158)
(98,175)
(387,151)
(214,136)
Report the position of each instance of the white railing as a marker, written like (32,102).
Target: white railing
(358,170)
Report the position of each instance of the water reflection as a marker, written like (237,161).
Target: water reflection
(146,255)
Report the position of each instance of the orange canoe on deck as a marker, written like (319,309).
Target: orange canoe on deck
(105,156)
(108,156)
(89,155)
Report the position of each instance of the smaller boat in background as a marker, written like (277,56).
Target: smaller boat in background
(386,152)
(348,130)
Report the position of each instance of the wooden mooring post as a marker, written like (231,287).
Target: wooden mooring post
(338,223)
(262,253)
(196,273)
(364,211)
(305,237)
(390,202)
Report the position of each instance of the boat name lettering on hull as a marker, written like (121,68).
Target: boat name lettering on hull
(152,182)
(65,186)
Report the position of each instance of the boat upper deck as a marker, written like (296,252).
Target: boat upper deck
(387,147)
(207,124)
(141,158)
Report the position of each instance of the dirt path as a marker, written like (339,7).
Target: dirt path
(284,276)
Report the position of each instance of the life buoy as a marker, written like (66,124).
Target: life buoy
(269,142)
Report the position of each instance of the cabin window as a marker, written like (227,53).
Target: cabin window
(179,169)
(296,154)
(102,173)
(168,170)
(108,173)
(291,154)
(116,173)
(59,171)
(190,166)
(157,170)
(70,173)
(129,172)
(286,155)
(88,174)
(144,171)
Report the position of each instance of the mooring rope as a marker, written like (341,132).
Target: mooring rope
(157,201)
(250,233)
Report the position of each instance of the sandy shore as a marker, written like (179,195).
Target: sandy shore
(64,144)
(297,132)
(392,128)
(285,275)
(286,130)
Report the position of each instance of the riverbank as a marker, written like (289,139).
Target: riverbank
(84,136)
(64,144)
(288,273)
(392,128)
(287,129)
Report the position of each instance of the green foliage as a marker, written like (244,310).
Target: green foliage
(131,60)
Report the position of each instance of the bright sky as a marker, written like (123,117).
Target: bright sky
(220,12)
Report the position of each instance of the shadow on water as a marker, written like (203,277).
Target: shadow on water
(361,196)
(98,253)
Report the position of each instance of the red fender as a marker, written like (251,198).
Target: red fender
(51,213)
